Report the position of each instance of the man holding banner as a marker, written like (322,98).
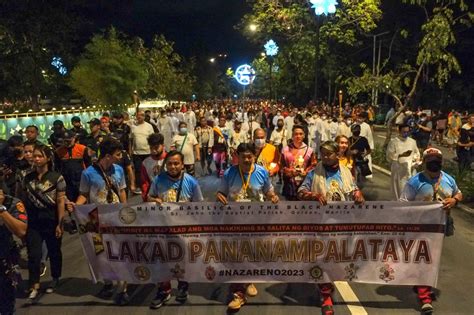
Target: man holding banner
(432,184)
(329,181)
(104,183)
(245,182)
(174,185)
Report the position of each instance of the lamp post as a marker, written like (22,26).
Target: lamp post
(271,50)
(320,7)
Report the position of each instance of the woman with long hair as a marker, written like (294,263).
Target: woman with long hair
(45,192)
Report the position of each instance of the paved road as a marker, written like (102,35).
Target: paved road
(380,136)
(77,294)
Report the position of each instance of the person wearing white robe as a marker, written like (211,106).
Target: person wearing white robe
(404,156)
(165,125)
(366,131)
(344,128)
(190,120)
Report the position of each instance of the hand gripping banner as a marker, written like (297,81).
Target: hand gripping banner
(377,242)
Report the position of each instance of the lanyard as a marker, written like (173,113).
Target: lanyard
(246,183)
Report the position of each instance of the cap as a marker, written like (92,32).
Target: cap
(104,119)
(75,119)
(432,152)
(94,121)
(58,123)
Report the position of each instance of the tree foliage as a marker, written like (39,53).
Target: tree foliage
(108,72)
(293,25)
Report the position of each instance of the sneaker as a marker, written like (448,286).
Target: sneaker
(122,299)
(107,291)
(182,295)
(160,299)
(137,191)
(53,286)
(33,296)
(251,290)
(43,269)
(427,309)
(237,302)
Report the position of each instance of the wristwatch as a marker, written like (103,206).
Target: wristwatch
(3,208)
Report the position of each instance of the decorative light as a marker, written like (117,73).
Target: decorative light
(42,109)
(16,110)
(73,107)
(57,62)
(245,74)
(271,48)
(64,108)
(324,6)
(253,27)
(30,110)
(212,60)
(54,108)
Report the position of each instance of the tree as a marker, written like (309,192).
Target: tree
(108,72)
(31,34)
(433,55)
(170,76)
(293,25)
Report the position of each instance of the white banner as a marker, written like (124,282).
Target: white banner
(378,242)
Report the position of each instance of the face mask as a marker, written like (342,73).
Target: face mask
(259,143)
(434,166)
(183,130)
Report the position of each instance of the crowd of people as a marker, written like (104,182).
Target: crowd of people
(261,151)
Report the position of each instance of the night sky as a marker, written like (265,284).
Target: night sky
(198,27)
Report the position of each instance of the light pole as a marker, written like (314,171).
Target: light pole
(271,50)
(340,103)
(320,7)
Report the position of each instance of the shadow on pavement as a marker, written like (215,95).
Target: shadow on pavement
(302,294)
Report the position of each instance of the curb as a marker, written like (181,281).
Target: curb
(388,173)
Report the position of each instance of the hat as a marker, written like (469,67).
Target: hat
(58,123)
(75,119)
(432,152)
(94,122)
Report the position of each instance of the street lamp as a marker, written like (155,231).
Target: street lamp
(212,60)
(253,27)
(321,7)
(271,50)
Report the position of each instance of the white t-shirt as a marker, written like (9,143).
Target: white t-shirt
(139,137)
(279,137)
(188,147)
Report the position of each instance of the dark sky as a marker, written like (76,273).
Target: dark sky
(198,27)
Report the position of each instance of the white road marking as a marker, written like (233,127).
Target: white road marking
(349,296)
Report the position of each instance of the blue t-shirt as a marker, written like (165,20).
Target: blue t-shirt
(259,185)
(334,184)
(421,188)
(166,189)
(93,185)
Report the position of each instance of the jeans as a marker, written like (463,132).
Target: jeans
(137,165)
